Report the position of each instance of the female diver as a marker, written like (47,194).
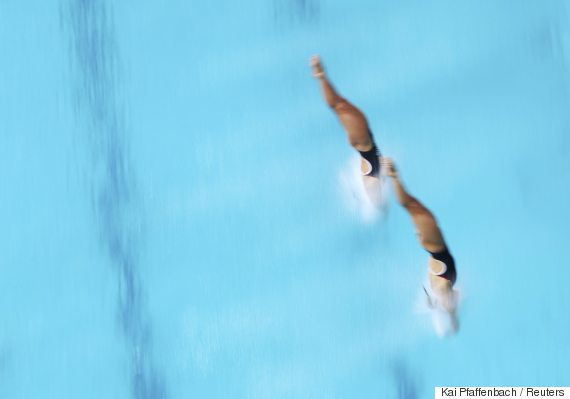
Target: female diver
(441,265)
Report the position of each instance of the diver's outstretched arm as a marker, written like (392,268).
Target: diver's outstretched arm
(430,235)
(404,198)
(331,96)
(351,118)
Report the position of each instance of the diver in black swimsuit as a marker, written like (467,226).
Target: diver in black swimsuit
(357,131)
(441,265)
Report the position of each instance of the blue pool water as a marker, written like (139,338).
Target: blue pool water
(176,221)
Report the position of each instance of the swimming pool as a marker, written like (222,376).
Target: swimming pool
(176,223)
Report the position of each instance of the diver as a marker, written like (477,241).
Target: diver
(441,265)
(357,131)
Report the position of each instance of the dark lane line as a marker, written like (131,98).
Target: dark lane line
(100,114)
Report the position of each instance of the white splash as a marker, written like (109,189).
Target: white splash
(367,197)
(443,322)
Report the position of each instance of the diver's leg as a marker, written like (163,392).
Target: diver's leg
(351,118)
(430,235)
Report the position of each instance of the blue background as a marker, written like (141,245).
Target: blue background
(174,223)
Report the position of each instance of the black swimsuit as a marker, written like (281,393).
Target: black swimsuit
(445,257)
(372,157)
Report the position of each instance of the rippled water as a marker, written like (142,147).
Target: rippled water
(178,222)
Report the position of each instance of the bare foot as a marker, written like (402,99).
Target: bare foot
(317,67)
(389,167)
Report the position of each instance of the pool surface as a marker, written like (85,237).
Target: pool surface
(181,218)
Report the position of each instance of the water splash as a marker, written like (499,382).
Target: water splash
(369,205)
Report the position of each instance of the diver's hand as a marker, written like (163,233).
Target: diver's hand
(389,167)
(317,67)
